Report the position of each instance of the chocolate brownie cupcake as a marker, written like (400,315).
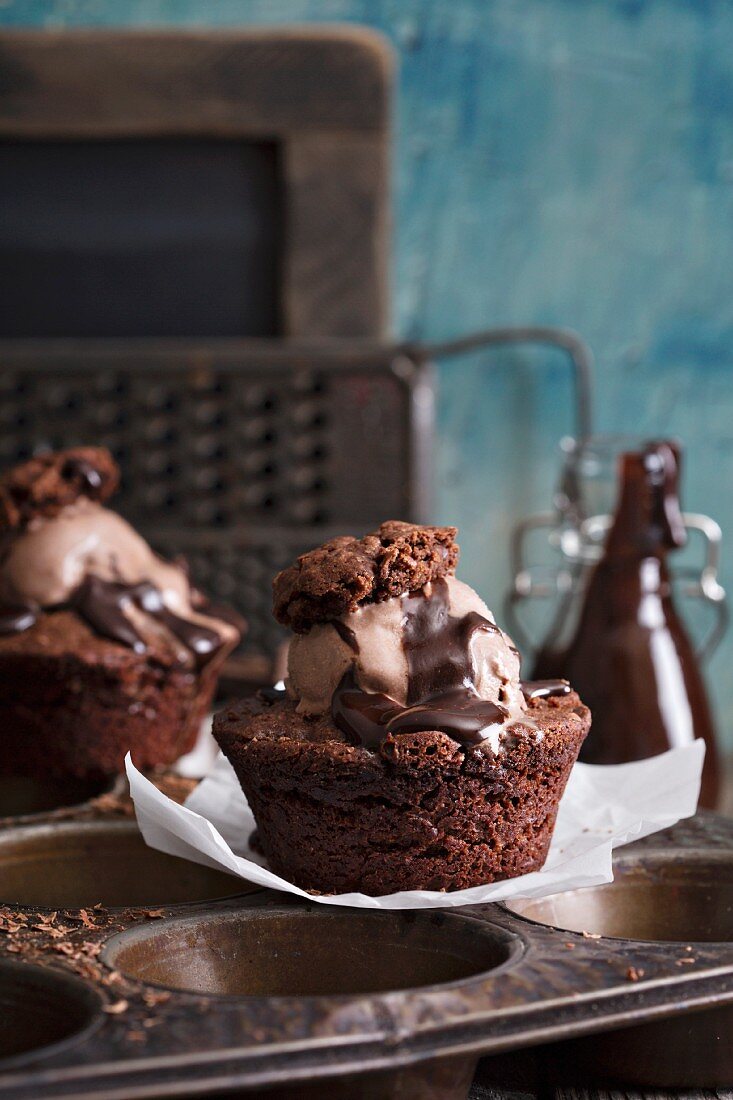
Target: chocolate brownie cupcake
(405,752)
(104,646)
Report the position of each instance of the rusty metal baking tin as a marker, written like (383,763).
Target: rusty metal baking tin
(549,985)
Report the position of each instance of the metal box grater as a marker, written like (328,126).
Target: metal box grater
(241,454)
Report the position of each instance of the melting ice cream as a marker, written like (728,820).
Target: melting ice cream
(428,660)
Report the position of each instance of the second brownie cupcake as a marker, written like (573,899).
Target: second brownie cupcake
(406,753)
(104,646)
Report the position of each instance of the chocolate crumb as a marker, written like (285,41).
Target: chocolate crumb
(153,997)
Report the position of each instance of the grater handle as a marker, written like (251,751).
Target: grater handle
(578,353)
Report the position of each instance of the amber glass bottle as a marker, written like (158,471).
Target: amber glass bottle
(630,656)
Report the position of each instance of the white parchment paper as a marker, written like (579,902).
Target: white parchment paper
(603,807)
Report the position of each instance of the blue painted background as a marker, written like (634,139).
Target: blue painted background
(557,162)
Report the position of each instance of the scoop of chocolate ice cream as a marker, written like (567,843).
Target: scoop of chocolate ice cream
(371,643)
(411,647)
(61,548)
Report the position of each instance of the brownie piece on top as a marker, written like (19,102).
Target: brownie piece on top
(345,573)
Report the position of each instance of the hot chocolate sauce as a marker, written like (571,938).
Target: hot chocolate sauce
(437,645)
(88,474)
(362,715)
(272,695)
(441,693)
(629,656)
(459,713)
(346,634)
(15,618)
(544,689)
(368,717)
(102,604)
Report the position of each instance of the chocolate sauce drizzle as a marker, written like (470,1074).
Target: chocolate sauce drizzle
(17,617)
(88,474)
(544,689)
(438,646)
(271,695)
(459,713)
(441,693)
(346,634)
(102,604)
(362,715)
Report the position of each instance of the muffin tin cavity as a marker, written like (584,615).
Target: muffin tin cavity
(41,1009)
(69,866)
(24,796)
(296,999)
(307,952)
(660,898)
(693,1051)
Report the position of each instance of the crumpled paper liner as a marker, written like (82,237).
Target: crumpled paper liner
(603,808)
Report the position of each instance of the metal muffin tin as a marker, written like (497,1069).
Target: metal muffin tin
(125,973)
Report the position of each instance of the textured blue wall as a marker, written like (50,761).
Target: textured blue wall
(557,162)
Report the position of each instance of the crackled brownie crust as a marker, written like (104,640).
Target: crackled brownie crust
(422,813)
(343,574)
(72,703)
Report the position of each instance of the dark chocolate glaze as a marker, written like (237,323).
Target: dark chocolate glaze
(221,611)
(459,713)
(362,715)
(544,689)
(88,474)
(346,634)
(272,695)
(441,693)
(102,604)
(368,717)
(437,645)
(17,617)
